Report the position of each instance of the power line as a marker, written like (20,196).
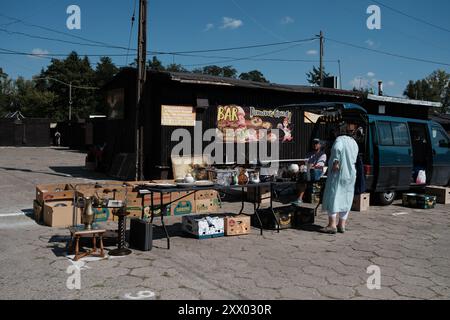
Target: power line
(412,17)
(252,58)
(249,57)
(388,53)
(131,30)
(60,40)
(246,47)
(159,52)
(65,83)
(257,23)
(16,20)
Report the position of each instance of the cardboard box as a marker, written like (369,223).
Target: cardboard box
(156,199)
(38,211)
(361,202)
(104,193)
(206,195)
(185,204)
(442,194)
(102,214)
(180,208)
(136,212)
(264,195)
(203,227)
(207,206)
(50,192)
(60,214)
(237,225)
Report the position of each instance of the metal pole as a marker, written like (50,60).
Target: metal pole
(340,75)
(70,101)
(321,58)
(141,78)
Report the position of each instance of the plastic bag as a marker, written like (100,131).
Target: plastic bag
(421,177)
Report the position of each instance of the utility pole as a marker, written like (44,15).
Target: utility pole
(70,101)
(141,77)
(321,58)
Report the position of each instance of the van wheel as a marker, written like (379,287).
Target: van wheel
(386,198)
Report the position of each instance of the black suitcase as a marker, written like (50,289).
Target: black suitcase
(304,215)
(141,234)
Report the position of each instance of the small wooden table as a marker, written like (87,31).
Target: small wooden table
(78,232)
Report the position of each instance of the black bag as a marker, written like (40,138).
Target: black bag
(141,234)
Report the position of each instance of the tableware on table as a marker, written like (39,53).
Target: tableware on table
(185,184)
(204,183)
(165,185)
(189,178)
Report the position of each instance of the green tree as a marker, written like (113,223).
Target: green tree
(174,67)
(75,70)
(155,64)
(435,87)
(30,100)
(313,76)
(253,75)
(104,72)
(6,89)
(213,70)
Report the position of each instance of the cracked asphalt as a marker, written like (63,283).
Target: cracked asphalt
(411,247)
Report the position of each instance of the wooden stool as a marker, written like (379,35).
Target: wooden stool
(78,232)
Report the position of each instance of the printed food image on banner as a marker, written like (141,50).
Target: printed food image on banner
(249,124)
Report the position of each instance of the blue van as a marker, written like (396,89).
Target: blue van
(393,149)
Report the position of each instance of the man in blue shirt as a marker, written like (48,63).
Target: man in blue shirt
(316,161)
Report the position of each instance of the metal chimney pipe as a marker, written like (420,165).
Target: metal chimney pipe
(380,88)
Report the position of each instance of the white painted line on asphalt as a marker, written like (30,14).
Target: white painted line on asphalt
(12,214)
(400,214)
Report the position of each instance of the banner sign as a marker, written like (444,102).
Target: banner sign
(249,124)
(179,116)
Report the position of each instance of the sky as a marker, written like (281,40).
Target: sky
(182,25)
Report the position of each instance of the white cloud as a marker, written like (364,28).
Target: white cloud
(312,52)
(391,83)
(37,53)
(231,23)
(287,20)
(208,27)
(370,43)
(370,74)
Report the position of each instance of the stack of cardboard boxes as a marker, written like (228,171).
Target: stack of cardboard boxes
(54,206)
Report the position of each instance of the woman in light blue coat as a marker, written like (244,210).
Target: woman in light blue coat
(340,185)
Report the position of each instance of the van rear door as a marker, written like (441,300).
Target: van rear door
(393,156)
(440,143)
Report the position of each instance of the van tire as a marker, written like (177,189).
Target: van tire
(386,198)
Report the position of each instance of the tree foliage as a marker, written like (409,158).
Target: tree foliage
(47,95)
(213,70)
(435,87)
(313,76)
(253,75)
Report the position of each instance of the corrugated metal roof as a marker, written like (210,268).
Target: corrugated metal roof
(221,81)
(197,78)
(404,101)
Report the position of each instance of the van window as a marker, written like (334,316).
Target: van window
(400,132)
(385,133)
(440,139)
